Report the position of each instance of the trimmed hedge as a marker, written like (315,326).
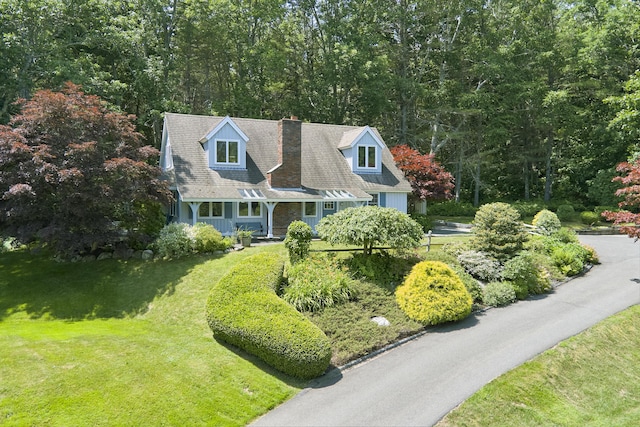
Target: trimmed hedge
(244,310)
(432,293)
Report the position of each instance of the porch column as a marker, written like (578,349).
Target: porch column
(270,207)
(195,207)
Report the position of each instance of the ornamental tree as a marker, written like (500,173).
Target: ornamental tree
(428,178)
(630,179)
(370,226)
(75,174)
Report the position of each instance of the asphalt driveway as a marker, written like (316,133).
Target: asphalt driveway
(421,381)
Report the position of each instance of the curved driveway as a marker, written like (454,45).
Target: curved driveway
(421,381)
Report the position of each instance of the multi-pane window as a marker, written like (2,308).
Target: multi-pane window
(249,209)
(210,210)
(329,206)
(374,200)
(227,152)
(309,208)
(366,156)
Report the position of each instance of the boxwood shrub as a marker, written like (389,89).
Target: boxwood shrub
(432,293)
(244,310)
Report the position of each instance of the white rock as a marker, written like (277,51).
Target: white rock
(381,321)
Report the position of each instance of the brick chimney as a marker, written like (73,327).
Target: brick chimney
(288,172)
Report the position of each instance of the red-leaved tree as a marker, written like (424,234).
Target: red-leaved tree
(76,175)
(629,221)
(429,180)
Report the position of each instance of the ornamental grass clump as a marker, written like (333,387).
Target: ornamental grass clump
(432,293)
(244,310)
(316,283)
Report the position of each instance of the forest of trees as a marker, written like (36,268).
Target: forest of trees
(519,99)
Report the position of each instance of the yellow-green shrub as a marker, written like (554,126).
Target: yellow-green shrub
(432,293)
(244,310)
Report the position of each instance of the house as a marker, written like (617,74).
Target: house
(263,174)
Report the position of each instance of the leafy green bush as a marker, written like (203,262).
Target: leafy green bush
(498,231)
(456,248)
(244,310)
(565,235)
(175,240)
(570,258)
(316,283)
(528,208)
(370,226)
(382,268)
(432,293)
(499,294)
(480,265)
(207,239)
(298,240)
(566,212)
(424,220)
(546,222)
(526,275)
(589,217)
(451,208)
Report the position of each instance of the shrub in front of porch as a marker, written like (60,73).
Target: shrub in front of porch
(178,239)
(244,310)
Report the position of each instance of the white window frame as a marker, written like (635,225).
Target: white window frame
(250,203)
(367,150)
(226,161)
(329,206)
(304,210)
(211,215)
(375,200)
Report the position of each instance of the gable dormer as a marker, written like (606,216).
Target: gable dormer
(226,146)
(363,150)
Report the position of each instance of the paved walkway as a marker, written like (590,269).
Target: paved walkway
(420,382)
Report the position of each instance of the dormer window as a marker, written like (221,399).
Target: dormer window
(367,157)
(227,152)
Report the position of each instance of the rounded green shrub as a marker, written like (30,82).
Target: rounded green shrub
(570,258)
(526,275)
(566,212)
(498,231)
(316,283)
(298,240)
(175,240)
(499,294)
(208,239)
(432,293)
(244,310)
(546,222)
(589,217)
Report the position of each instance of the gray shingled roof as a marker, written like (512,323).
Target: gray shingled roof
(323,165)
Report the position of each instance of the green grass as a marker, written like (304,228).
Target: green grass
(123,343)
(592,379)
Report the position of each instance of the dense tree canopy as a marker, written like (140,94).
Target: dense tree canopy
(507,94)
(76,175)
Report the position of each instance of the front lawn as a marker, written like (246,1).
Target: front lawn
(123,343)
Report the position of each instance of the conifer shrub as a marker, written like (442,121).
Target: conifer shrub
(432,293)
(298,241)
(498,231)
(589,217)
(566,212)
(472,285)
(546,222)
(243,310)
(480,265)
(499,294)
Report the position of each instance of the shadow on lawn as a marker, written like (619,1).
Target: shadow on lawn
(43,288)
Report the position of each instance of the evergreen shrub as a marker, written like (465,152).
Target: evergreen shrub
(243,310)
(316,283)
(480,265)
(472,285)
(528,208)
(499,294)
(566,212)
(498,231)
(298,240)
(381,268)
(546,222)
(432,293)
(424,220)
(451,208)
